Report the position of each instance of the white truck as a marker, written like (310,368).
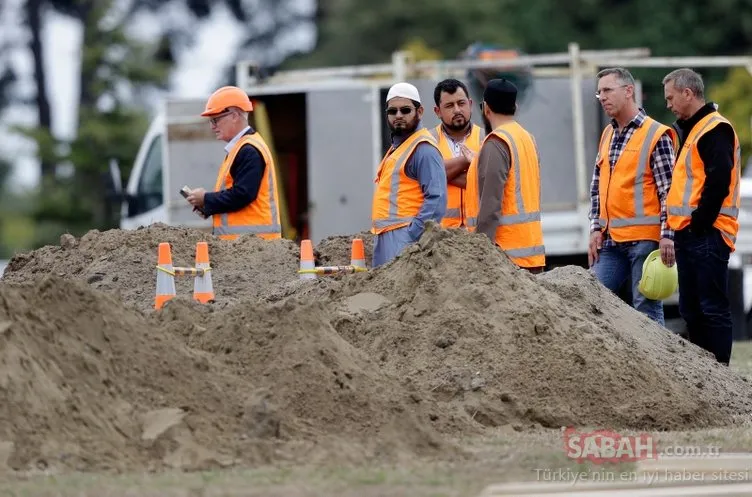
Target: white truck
(328,132)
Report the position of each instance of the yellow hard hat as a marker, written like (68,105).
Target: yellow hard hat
(658,281)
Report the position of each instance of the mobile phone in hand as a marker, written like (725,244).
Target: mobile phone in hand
(185,191)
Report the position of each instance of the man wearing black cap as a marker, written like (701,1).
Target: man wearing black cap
(503,181)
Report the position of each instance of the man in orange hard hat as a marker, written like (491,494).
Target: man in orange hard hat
(245,198)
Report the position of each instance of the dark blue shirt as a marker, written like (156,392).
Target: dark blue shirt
(246,171)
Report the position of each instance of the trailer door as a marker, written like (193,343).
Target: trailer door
(342,159)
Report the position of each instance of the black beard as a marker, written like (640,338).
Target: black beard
(406,131)
(487,123)
(456,127)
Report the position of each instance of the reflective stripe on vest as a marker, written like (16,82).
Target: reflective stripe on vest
(522,216)
(394,192)
(526,252)
(224,227)
(689,170)
(393,217)
(519,233)
(686,209)
(639,218)
(455,211)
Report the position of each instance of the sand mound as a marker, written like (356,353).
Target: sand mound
(123,263)
(336,250)
(462,323)
(449,340)
(85,378)
(90,384)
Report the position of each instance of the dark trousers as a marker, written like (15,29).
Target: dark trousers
(702,263)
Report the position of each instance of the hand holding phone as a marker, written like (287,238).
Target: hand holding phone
(185,192)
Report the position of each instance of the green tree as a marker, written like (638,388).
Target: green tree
(72,194)
(732,97)
(363,32)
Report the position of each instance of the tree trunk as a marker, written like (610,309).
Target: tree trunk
(34,18)
(88,68)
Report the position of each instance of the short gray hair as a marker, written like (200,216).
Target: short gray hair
(686,78)
(622,74)
(239,111)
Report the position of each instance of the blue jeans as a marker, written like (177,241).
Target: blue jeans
(702,261)
(619,262)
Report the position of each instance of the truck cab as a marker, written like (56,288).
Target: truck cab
(144,202)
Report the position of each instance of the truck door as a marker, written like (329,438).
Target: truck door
(343,137)
(145,204)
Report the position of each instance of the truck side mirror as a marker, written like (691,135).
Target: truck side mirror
(117,181)
(114,186)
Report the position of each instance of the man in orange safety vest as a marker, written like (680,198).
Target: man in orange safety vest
(245,199)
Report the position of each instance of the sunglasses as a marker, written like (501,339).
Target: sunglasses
(392,111)
(214,120)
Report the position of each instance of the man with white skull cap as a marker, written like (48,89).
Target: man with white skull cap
(411,181)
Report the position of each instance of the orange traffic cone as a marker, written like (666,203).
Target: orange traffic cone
(357,254)
(165,276)
(203,289)
(307,265)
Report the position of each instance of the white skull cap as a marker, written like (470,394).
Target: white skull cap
(404,90)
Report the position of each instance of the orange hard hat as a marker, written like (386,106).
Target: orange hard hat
(226,97)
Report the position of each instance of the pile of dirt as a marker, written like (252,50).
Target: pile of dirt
(464,326)
(123,263)
(449,340)
(337,250)
(91,384)
(459,322)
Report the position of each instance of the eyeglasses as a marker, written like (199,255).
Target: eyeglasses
(214,120)
(405,111)
(606,91)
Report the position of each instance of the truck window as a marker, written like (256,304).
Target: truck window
(149,192)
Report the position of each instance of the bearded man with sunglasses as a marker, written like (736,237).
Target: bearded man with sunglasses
(411,183)
(245,198)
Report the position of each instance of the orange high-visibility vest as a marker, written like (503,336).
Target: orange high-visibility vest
(260,217)
(688,181)
(630,208)
(456,216)
(398,198)
(519,234)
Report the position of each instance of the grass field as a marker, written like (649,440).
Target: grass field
(502,457)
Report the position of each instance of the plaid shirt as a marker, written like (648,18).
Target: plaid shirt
(661,163)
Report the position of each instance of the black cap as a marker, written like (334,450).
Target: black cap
(501,96)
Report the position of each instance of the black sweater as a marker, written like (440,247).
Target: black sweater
(716,149)
(247,170)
